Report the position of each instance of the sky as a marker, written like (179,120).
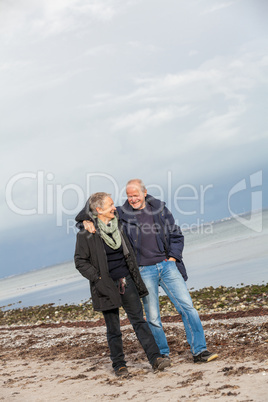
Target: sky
(96,92)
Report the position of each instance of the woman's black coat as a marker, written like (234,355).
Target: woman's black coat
(91,262)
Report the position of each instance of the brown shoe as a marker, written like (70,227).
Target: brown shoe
(160,363)
(122,372)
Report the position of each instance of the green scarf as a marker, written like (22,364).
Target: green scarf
(110,233)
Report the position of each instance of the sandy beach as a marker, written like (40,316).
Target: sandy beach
(70,361)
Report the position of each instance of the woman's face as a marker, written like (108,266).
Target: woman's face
(107,211)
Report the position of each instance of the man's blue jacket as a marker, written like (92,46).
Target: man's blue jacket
(169,237)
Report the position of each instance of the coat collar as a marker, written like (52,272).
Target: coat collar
(126,211)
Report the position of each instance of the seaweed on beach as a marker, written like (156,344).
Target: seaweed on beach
(208,300)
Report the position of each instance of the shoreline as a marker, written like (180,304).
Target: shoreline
(209,300)
(212,316)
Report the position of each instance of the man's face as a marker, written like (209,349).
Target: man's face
(108,209)
(135,196)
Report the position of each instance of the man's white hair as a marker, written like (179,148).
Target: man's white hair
(136,181)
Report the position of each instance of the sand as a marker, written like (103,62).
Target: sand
(70,362)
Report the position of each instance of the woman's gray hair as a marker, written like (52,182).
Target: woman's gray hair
(137,181)
(96,200)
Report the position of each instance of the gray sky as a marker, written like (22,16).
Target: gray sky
(170,91)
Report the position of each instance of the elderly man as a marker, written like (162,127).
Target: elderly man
(107,260)
(158,245)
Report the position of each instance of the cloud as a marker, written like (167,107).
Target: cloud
(217,93)
(8,66)
(140,120)
(45,18)
(138,45)
(107,49)
(219,7)
(124,94)
(118,89)
(193,52)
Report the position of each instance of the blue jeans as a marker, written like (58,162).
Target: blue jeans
(167,275)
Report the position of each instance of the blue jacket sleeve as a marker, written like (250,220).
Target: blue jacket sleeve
(174,236)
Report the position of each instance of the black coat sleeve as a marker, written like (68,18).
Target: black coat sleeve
(82,257)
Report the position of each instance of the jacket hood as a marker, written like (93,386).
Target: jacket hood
(154,203)
(84,214)
(126,208)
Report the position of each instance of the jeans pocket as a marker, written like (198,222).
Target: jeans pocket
(171,262)
(142,268)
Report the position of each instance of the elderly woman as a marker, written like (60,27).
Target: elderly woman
(107,260)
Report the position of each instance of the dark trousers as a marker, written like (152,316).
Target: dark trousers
(133,307)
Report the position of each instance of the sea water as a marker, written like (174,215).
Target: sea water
(219,253)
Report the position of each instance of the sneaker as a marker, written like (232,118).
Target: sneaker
(122,372)
(205,357)
(160,363)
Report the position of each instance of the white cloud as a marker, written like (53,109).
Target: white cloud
(107,49)
(45,18)
(8,66)
(193,52)
(219,6)
(142,119)
(144,46)
(103,86)
(219,83)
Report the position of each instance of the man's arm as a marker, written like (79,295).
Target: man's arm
(175,237)
(89,226)
(84,219)
(175,243)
